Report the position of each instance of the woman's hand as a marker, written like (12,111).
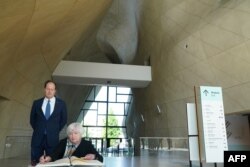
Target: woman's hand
(89,157)
(44,159)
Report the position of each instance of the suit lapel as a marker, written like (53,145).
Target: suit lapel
(40,111)
(56,106)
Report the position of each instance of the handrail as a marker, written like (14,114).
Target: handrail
(163,137)
(164,143)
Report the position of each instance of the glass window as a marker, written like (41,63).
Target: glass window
(94,116)
(120,120)
(123,90)
(112,94)
(90,106)
(116,108)
(116,133)
(101,120)
(91,96)
(94,132)
(102,94)
(115,120)
(127,105)
(102,108)
(97,144)
(112,120)
(90,118)
(123,98)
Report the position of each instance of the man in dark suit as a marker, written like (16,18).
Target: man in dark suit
(73,145)
(48,117)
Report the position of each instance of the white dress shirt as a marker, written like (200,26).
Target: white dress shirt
(52,104)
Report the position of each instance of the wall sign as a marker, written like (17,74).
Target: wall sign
(213,122)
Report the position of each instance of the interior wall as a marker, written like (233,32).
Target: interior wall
(34,37)
(192,43)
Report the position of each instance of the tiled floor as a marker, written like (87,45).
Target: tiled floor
(147,159)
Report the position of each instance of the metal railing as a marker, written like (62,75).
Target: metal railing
(164,143)
(19,147)
(122,147)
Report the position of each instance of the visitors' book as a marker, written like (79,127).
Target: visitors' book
(72,161)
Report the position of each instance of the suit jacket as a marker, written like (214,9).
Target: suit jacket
(84,148)
(52,126)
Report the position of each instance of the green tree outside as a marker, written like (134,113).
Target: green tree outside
(112,132)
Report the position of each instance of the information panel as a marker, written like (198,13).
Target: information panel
(192,133)
(213,121)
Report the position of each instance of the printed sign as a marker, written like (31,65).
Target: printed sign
(213,121)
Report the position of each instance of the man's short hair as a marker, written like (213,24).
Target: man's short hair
(49,81)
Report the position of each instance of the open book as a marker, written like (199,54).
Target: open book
(73,161)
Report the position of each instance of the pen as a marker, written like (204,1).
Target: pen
(44,155)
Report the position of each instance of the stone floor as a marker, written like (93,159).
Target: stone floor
(147,159)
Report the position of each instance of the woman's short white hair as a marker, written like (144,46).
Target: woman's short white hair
(75,127)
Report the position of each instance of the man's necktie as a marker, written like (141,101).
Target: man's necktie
(47,110)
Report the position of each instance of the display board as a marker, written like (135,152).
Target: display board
(213,124)
(192,132)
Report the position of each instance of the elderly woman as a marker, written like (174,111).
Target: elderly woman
(73,145)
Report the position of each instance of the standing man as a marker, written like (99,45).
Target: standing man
(48,117)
